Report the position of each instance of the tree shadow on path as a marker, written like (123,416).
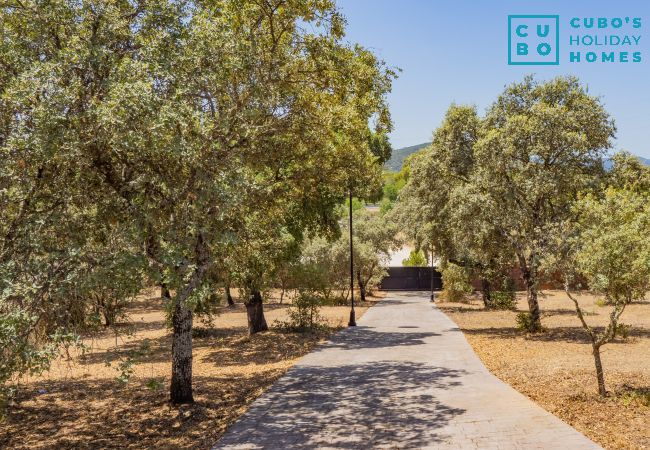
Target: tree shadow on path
(352,406)
(362,337)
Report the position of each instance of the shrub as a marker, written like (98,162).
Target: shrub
(111,308)
(385,205)
(323,268)
(107,289)
(639,396)
(416,259)
(623,330)
(336,300)
(601,302)
(506,298)
(524,321)
(126,364)
(154,384)
(20,354)
(455,283)
(304,313)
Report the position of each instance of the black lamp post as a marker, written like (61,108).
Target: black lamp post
(432,295)
(352,322)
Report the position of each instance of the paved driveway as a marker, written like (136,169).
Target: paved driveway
(404,378)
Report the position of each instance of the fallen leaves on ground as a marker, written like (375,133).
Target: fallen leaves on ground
(556,368)
(80,404)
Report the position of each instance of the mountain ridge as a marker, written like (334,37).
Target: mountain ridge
(394,164)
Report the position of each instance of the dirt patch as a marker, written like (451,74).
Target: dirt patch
(80,403)
(556,368)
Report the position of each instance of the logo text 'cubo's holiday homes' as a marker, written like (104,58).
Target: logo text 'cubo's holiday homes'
(535,40)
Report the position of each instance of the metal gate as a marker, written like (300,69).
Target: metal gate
(411,279)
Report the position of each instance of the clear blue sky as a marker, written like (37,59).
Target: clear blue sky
(456,51)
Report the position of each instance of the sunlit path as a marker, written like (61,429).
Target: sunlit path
(404,378)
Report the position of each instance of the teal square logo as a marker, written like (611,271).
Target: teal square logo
(534,40)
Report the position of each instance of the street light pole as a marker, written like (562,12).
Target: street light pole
(352,322)
(432,295)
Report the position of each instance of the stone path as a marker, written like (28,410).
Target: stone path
(404,378)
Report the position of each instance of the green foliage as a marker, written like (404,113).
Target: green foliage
(380,147)
(393,184)
(571,132)
(611,247)
(524,321)
(630,173)
(375,237)
(638,396)
(357,205)
(385,206)
(324,266)
(506,300)
(491,191)
(126,369)
(20,355)
(121,134)
(154,384)
(112,282)
(416,259)
(623,331)
(126,364)
(455,283)
(205,302)
(505,296)
(304,313)
(324,269)
(601,302)
(335,301)
(426,209)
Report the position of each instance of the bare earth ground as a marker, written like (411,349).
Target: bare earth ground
(556,368)
(80,404)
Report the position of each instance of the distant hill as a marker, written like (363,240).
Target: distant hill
(394,164)
(609,163)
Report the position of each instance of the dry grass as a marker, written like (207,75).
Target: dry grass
(80,404)
(556,368)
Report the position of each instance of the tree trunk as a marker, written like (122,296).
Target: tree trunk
(109,319)
(181,385)
(255,313)
(229,299)
(530,280)
(164,292)
(362,286)
(599,370)
(485,293)
(533,307)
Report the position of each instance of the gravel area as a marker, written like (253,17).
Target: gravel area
(80,404)
(556,368)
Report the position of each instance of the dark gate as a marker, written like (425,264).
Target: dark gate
(411,279)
